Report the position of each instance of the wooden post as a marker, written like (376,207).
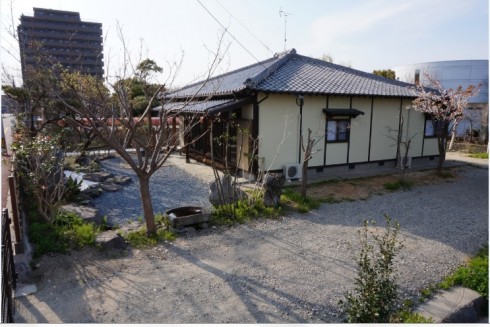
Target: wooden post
(15,209)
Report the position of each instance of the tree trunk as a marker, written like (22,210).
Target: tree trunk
(441,143)
(147,205)
(453,138)
(304,178)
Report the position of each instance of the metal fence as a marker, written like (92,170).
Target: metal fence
(8,271)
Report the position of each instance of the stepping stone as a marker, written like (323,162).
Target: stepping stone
(110,240)
(97,176)
(110,187)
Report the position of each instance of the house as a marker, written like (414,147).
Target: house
(264,108)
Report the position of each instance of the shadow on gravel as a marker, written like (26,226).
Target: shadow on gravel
(63,282)
(252,292)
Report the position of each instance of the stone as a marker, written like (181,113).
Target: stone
(110,187)
(119,179)
(88,214)
(456,305)
(109,240)
(93,191)
(99,176)
(273,185)
(83,197)
(227,188)
(131,227)
(24,290)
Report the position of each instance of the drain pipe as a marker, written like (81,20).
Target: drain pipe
(300,101)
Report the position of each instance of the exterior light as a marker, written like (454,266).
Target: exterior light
(300,100)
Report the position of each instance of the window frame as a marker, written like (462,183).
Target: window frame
(338,120)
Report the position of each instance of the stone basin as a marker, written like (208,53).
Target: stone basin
(187,216)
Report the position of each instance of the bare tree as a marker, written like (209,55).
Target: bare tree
(104,107)
(445,108)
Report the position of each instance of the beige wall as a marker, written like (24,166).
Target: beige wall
(430,147)
(279,129)
(385,124)
(359,131)
(278,132)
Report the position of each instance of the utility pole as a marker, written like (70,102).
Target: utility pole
(285,14)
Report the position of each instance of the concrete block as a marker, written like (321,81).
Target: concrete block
(456,305)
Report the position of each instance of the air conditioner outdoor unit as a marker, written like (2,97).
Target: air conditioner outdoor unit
(405,161)
(292,171)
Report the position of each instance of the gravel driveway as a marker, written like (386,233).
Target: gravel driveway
(290,270)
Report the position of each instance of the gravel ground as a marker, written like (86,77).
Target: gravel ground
(291,270)
(170,187)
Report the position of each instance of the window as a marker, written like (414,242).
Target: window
(430,131)
(417,77)
(432,125)
(338,130)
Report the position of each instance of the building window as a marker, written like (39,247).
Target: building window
(417,77)
(430,130)
(432,125)
(338,130)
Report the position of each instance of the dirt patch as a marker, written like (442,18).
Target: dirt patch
(363,188)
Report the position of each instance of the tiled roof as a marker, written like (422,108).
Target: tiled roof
(295,74)
(211,106)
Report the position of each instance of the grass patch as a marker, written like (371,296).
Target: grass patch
(300,203)
(242,211)
(479,155)
(398,184)
(445,174)
(473,275)
(139,238)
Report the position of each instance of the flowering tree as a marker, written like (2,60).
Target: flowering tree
(445,108)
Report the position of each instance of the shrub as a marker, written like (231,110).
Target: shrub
(67,232)
(242,211)
(375,297)
(45,239)
(72,189)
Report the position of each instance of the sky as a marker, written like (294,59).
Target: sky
(362,34)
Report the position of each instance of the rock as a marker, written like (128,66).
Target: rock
(99,176)
(227,189)
(93,191)
(119,179)
(131,227)
(110,240)
(83,198)
(110,187)
(88,214)
(273,185)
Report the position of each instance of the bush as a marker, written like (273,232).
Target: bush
(67,232)
(375,297)
(242,211)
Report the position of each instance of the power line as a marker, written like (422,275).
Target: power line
(245,27)
(234,38)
